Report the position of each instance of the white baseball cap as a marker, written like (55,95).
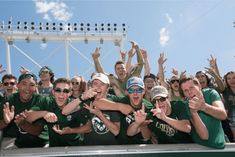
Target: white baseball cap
(102,77)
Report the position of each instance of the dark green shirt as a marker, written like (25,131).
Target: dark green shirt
(127,120)
(164,132)
(72,120)
(23,139)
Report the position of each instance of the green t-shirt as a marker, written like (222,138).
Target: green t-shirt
(164,132)
(214,127)
(72,120)
(127,120)
(23,139)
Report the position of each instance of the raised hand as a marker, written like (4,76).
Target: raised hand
(158,112)
(140,115)
(161,59)
(134,44)
(131,53)
(24,70)
(1,69)
(8,113)
(183,74)
(211,71)
(212,62)
(175,72)
(123,55)
(96,54)
(144,54)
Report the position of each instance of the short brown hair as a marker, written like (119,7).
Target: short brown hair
(185,79)
(61,80)
(118,62)
(8,76)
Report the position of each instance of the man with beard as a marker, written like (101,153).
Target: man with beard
(17,132)
(105,124)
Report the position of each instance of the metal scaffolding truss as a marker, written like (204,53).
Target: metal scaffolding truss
(67,33)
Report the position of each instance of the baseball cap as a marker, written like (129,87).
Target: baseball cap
(134,81)
(102,77)
(158,91)
(27,75)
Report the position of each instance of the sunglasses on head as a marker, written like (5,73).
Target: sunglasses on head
(9,83)
(161,99)
(132,90)
(75,83)
(173,81)
(59,90)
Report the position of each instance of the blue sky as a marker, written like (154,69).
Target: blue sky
(187,31)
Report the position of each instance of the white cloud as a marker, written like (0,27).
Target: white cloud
(46,17)
(164,36)
(53,9)
(169,19)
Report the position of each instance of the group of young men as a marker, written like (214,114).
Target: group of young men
(96,117)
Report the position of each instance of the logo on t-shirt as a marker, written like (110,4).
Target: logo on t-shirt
(130,118)
(69,118)
(166,128)
(99,126)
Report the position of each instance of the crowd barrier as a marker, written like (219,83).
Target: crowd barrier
(151,150)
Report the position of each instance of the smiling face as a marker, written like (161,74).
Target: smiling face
(230,79)
(76,82)
(101,89)
(202,79)
(9,86)
(26,88)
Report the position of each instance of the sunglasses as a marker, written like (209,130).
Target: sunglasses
(132,90)
(75,83)
(59,90)
(9,83)
(173,81)
(162,99)
(43,72)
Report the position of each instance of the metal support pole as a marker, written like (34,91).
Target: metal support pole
(67,58)
(8,57)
